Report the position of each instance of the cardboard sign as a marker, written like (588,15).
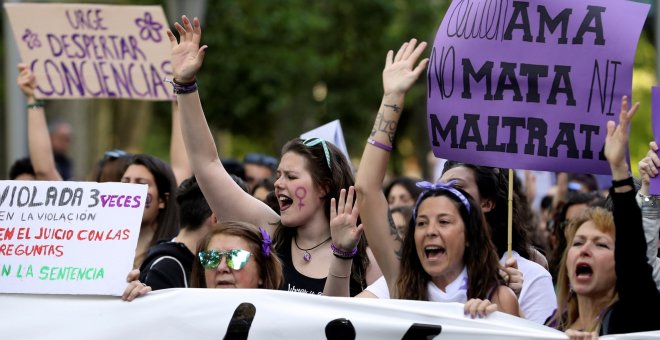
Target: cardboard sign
(94,51)
(68,237)
(531,84)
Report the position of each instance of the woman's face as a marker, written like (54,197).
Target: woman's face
(590,261)
(440,239)
(399,196)
(465,180)
(225,277)
(296,193)
(140,174)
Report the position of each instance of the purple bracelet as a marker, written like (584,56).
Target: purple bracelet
(379,145)
(345,255)
(180,88)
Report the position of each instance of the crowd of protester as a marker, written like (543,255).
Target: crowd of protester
(580,263)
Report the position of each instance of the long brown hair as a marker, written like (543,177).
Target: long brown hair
(270,267)
(334,178)
(567,301)
(479,257)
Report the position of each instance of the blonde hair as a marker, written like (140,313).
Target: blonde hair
(567,305)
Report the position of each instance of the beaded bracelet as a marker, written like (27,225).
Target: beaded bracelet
(344,255)
(181,88)
(38,104)
(379,145)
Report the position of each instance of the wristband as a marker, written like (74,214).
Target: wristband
(623,183)
(38,104)
(344,255)
(180,88)
(379,145)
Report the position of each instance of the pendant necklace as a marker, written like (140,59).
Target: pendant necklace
(307,256)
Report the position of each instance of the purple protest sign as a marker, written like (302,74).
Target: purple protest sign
(654,189)
(530,84)
(94,51)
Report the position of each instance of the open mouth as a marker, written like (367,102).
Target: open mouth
(224,284)
(285,202)
(583,270)
(434,252)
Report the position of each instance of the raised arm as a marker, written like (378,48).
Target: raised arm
(39,145)
(178,157)
(225,197)
(399,74)
(650,205)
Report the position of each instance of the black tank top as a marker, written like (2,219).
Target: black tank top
(294,281)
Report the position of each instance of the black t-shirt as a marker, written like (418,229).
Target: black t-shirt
(167,265)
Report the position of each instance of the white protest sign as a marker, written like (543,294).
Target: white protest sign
(251,314)
(94,51)
(68,237)
(331,132)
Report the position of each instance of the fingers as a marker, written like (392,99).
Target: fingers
(388,58)
(170,35)
(399,54)
(654,146)
(333,208)
(479,308)
(511,263)
(349,200)
(341,205)
(421,67)
(409,49)
(133,275)
(197,31)
(418,51)
(134,290)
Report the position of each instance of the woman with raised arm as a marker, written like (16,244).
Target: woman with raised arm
(310,173)
(446,254)
(39,144)
(604,275)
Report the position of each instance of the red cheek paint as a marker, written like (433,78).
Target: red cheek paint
(300,193)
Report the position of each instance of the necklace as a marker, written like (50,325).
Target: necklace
(307,256)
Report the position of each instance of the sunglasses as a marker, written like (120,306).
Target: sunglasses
(236,258)
(315,141)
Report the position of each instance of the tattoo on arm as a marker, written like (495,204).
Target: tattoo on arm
(394,107)
(386,126)
(395,235)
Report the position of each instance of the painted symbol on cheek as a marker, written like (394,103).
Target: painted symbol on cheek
(148,202)
(300,195)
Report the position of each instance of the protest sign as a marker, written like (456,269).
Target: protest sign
(94,51)
(531,84)
(251,314)
(68,237)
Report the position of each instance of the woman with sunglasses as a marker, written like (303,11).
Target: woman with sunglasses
(236,255)
(231,255)
(310,173)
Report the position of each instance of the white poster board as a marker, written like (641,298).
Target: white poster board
(68,237)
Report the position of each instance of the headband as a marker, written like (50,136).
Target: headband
(431,187)
(265,244)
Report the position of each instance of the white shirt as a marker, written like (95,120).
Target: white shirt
(456,291)
(537,298)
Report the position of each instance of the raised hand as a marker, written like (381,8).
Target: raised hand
(187,56)
(400,72)
(343,221)
(26,81)
(648,167)
(616,142)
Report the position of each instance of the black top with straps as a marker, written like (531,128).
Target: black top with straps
(294,281)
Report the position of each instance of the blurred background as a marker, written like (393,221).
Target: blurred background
(273,70)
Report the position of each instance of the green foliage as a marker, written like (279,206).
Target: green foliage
(264,59)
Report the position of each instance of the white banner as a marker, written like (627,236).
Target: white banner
(68,237)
